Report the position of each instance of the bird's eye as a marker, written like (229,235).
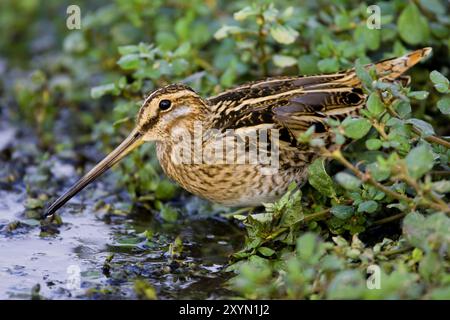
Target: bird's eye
(165,104)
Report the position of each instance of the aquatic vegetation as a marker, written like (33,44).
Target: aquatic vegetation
(379,198)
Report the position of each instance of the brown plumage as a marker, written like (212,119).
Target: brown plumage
(189,129)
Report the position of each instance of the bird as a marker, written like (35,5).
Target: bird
(207,145)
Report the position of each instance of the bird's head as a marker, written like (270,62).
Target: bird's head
(168,109)
(174,107)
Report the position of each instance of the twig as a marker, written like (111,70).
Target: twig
(430,138)
(366,177)
(307,218)
(433,139)
(320,214)
(337,155)
(391,218)
(396,251)
(380,128)
(423,192)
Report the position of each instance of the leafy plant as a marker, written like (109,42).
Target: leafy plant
(387,168)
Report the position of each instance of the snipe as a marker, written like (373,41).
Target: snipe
(198,140)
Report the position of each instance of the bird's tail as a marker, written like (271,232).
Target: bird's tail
(391,69)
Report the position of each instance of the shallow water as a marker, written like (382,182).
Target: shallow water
(71,264)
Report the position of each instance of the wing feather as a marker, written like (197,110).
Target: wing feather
(295,103)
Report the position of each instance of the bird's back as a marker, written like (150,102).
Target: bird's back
(289,105)
(295,103)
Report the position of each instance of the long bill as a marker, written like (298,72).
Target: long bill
(133,141)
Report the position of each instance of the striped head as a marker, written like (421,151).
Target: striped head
(168,108)
(173,107)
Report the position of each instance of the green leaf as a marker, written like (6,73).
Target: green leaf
(441,83)
(292,211)
(307,64)
(228,77)
(306,136)
(403,108)
(144,290)
(342,212)
(347,284)
(245,13)
(441,88)
(226,31)
(363,74)
(374,144)
(427,232)
(374,104)
(179,66)
(356,128)
(444,105)
(168,213)
(99,91)
(38,77)
(270,14)
(348,181)
(371,38)
(165,190)
(378,172)
(425,128)
(328,65)
(436,77)
(340,139)
(182,50)
(317,142)
(418,95)
(265,251)
(283,34)
(433,5)
(342,20)
(441,186)
(283,61)
(124,50)
(319,178)
(412,25)
(306,245)
(368,206)
(419,161)
(129,61)
(32,203)
(430,266)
